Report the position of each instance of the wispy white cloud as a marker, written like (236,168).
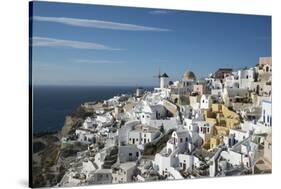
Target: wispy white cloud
(52,42)
(88,61)
(91,23)
(159,12)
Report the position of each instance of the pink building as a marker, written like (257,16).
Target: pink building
(199,88)
(265,60)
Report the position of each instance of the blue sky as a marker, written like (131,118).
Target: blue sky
(78,44)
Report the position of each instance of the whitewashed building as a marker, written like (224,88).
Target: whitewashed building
(246,78)
(128,153)
(231,81)
(175,154)
(185,161)
(85,135)
(232,95)
(164,81)
(102,176)
(205,129)
(164,160)
(104,120)
(235,136)
(124,172)
(89,123)
(145,112)
(206,102)
(169,123)
(142,134)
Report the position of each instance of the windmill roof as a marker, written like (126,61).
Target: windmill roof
(164,75)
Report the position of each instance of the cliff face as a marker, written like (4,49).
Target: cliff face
(47,169)
(75,120)
(70,124)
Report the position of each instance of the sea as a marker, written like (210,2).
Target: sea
(52,103)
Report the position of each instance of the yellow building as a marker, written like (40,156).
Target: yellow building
(224,119)
(222,116)
(214,142)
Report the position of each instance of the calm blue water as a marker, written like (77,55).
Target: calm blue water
(53,103)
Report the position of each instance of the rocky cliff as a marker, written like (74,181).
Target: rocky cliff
(47,167)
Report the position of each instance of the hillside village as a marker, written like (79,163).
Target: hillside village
(192,128)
